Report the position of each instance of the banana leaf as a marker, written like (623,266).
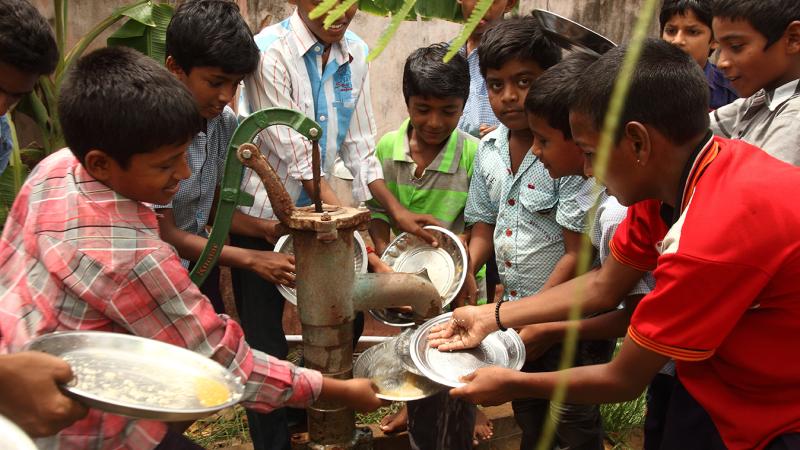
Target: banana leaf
(424,9)
(146,30)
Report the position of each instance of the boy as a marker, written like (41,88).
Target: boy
(210,50)
(759,43)
(687,24)
(478,118)
(739,360)
(28,51)
(322,73)
(92,257)
(533,222)
(427,165)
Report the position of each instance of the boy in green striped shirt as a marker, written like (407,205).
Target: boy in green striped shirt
(427,166)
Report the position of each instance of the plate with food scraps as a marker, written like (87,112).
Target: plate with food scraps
(445,266)
(382,366)
(285,246)
(139,377)
(500,348)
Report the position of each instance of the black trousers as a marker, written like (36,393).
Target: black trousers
(260,308)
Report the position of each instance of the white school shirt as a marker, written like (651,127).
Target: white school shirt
(291,75)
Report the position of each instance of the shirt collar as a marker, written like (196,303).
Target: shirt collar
(782,94)
(446,161)
(306,41)
(699,160)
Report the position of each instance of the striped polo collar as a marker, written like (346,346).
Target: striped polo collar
(447,161)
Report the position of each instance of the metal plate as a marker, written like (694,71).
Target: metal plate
(284,245)
(402,346)
(141,378)
(501,348)
(381,365)
(572,35)
(13,438)
(445,266)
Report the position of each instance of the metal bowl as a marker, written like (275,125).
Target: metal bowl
(381,365)
(142,378)
(13,438)
(446,267)
(572,35)
(501,348)
(284,245)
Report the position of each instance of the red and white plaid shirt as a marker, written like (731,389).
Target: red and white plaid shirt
(75,255)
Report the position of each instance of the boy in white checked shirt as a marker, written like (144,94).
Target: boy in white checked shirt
(80,249)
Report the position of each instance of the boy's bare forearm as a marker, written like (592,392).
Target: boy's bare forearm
(481,244)
(327,194)
(380,233)
(254,227)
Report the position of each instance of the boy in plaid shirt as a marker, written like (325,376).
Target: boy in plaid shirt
(81,251)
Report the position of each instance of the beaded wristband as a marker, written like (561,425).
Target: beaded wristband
(497,315)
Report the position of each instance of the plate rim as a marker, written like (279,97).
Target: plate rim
(289,294)
(539,13)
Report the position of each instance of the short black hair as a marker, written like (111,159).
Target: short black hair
(671,8)
(122,102)
(668,91)
(547,96)
(768,17)
(211,33)
(26,39)
(516,38)
(426,74)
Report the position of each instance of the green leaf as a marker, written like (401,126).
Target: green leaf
(373,7)
(322,8)
(387,34)
(337,12)
(12,178)
(477,14)
(440,9)
(138,34)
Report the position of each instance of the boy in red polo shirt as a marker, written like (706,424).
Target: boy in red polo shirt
(724,247)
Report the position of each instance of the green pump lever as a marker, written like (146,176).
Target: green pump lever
(231,194)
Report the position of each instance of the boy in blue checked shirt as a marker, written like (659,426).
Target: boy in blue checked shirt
(759,43)
(427,164)
(94,260)
(533,222)
(210,50)
(478,118)
(687,24)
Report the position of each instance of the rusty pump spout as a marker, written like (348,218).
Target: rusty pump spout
(328,291)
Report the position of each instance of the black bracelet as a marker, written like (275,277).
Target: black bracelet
(497,315)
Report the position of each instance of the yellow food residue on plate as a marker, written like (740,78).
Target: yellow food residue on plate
(210,392)
(408,389)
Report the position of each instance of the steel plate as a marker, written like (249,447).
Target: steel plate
(501,348)
(572,35)
(13,438)
(402,346)
(381,365)
(141,378)
(284,245)
(445,267)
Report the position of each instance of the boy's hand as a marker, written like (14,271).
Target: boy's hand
(412,223)
(276,268)
(537,341)
(30,396)
(486,129)
(358,393)
(467,328)
(273,230)
(489,386)
(375,265)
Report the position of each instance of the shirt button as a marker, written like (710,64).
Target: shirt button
(509,232)
(513,293)
(509,171)
(530,186)
(317,49)
(512,202)
(322,118)
(508,263)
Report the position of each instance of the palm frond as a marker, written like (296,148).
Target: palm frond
(322,8)
(474,19)
(337,12)
(387,34)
